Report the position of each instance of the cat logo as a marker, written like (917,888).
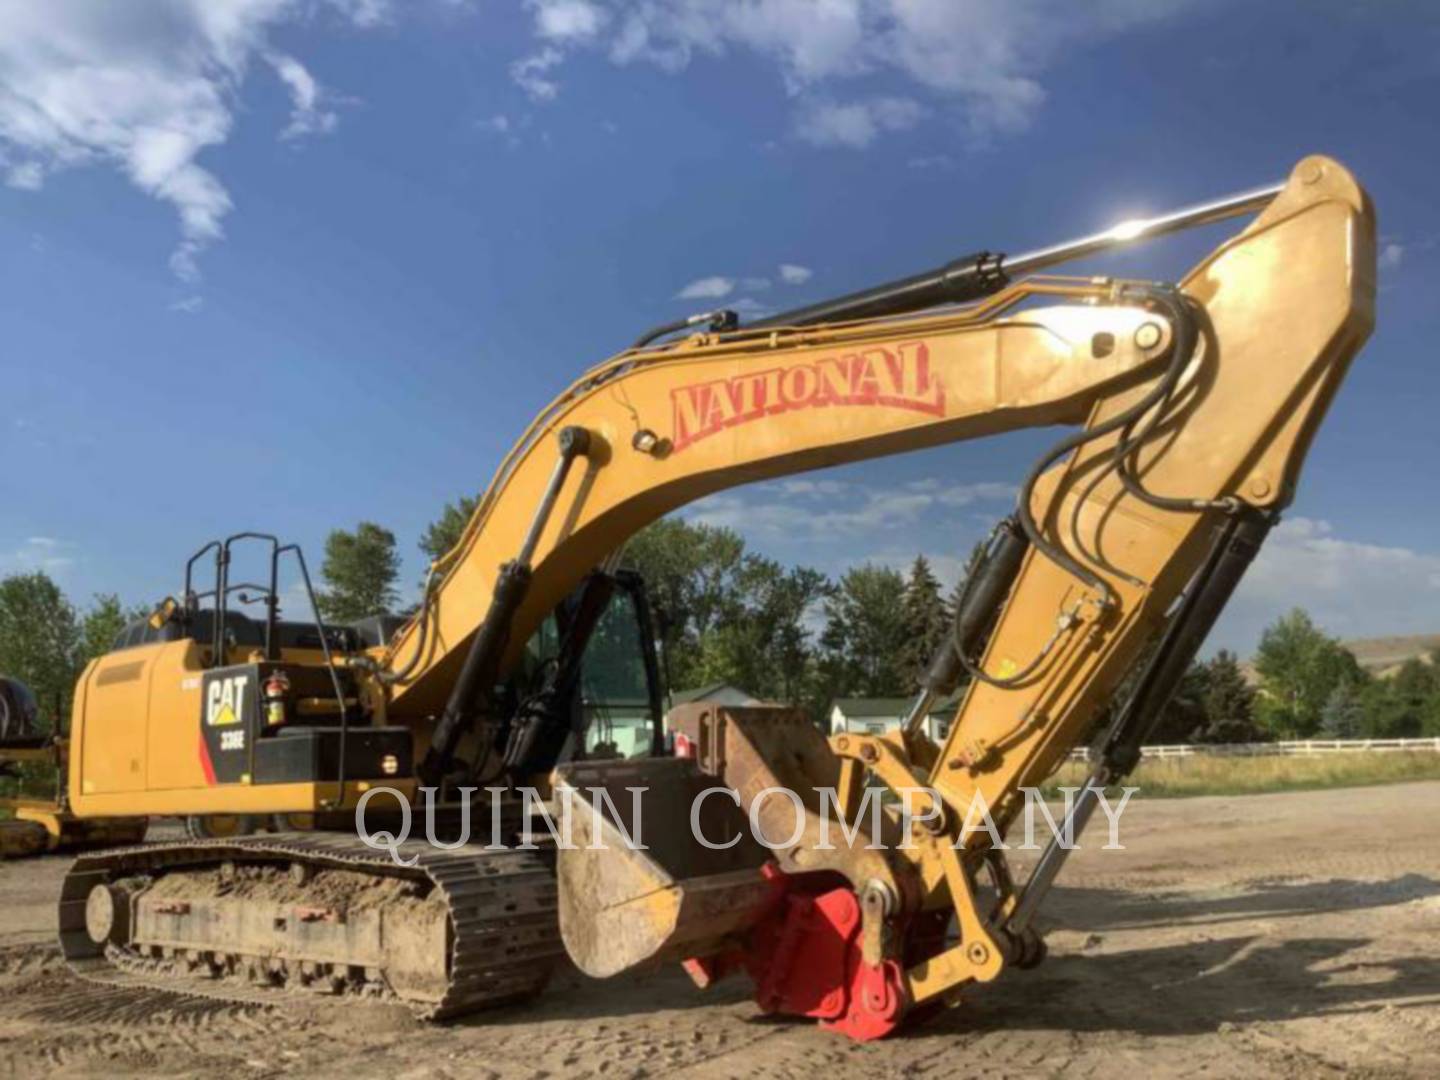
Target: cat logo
(225,700)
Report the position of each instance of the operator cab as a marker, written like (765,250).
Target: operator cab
(616,709)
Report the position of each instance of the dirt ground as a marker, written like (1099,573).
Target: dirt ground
(1269,935)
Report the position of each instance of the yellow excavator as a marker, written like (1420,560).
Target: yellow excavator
(1188,407)
(40,824)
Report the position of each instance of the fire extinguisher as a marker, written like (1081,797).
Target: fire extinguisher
(277,687)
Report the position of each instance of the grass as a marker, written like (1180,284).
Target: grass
(1179,777)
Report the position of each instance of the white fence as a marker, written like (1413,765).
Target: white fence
(1302,747)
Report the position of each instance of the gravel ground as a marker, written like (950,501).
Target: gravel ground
(1269,935)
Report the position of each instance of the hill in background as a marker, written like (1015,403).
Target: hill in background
(1383,656)
(1380,656)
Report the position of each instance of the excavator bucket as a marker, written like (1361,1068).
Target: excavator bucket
(719,832)
(635,886)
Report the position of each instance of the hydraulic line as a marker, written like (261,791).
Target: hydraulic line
(1120,462)
(1181,349)
(1094,555)
(719,320)
(988,583)
(422,618)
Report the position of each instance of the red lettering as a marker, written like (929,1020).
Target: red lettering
(898,379)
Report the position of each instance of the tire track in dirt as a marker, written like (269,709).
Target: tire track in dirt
(58,1021)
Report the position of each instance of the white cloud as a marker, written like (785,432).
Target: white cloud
(957,495)
(529,74)
(749,308)
(707,288)
(855,124)
(42,553)
(363,13)
(719,286)
(814,489)
(1351,588)
(568,20)
(145,88)
(802,509)
(188,305)
(27,176)
(510,129)
(978,62)
(794,274)
(1391,255)
(306,115)
(810,39)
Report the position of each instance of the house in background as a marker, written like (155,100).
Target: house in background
(876,716)
(720,693)
(622,728)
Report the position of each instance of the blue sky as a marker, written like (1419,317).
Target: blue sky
(287,265)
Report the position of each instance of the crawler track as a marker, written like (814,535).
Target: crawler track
(499,907)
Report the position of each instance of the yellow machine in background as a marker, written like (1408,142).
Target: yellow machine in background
(1191,408)
(40,825)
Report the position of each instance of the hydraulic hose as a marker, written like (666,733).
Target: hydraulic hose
(1181,348)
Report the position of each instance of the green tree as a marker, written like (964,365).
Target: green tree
(927,620)
(360,570)
(866,634)
(1184,716)
(775,605)
(1229,703)
(442,534)
(1344,714)
(728,615)
(1299,667)
(102,623)
(40,640)
(692,573)
(1430,724)
(1403,705)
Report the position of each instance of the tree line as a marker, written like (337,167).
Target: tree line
(724,614)
(1312,686)
(791,634)
(794,635)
